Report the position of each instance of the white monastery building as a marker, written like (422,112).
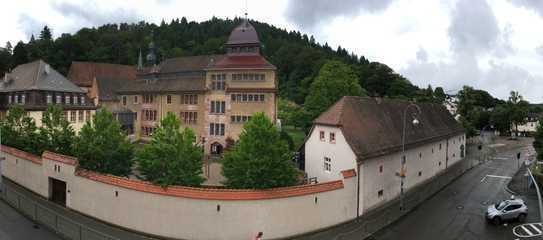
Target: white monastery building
(365,134)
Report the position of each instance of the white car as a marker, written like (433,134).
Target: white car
(513,208)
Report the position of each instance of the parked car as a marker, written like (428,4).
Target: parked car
(506,210)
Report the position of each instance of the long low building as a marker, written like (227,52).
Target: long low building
(35,85)
(365,134)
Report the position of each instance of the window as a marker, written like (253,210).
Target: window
(327,164)
(67,99)
(244,97)
(439,164)
(217,107)
(188,117)
(65,115)
(169,99)
(73,116)
(49,98)
(381,169)
(191,99)
(440,146)
(420,173)
(333,137)
(23,98)
(81,117)
(59,99)
(136,99)
(239,118)
(135,116)
(149,115)
(432,150)
(321,136)
(512,207)
(248,77)
(380,193)
(124,100)
(88,115)
(148,98)
(9,99)
(217,81)
(420,155)
(82,100)
(216,129)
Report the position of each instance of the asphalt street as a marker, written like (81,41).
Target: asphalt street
(457,211)
(13,226)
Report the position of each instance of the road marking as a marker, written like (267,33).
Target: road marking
(500,158)
(527,230)
(494,176)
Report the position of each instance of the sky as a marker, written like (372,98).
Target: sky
(495,45)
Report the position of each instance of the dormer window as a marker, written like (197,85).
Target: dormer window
(67,99)
(23,98)
(59,99)
(75,100)
(49,98)
(9,98)
(82,100)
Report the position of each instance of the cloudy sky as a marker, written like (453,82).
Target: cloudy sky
(496,45)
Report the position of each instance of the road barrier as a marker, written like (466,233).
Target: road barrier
(39,213)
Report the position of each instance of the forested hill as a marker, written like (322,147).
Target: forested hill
(297,56)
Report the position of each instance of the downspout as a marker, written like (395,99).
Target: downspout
(358,193)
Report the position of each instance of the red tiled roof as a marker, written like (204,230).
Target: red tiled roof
(82,73)
(60,158)
(22,154)
(348,173)
(211,193)
(245,61)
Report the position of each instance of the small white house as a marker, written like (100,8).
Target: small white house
(365,134)
(530,127)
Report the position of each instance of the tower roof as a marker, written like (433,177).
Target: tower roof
(244,33)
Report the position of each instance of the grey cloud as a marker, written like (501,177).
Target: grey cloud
(308,13)
(474,30)
(535,5)
(422,55)
(29,25)
(90,13)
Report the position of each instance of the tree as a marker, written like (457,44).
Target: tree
(538,142)
(46,34)
(334,81)
(440,95)
(501,119)
(260,159)
(20,131)
(56,130)
(171,158)
(518,109)
(102,146)
(20,55)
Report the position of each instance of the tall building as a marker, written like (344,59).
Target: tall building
(35,85)
(101,81)
(212,94)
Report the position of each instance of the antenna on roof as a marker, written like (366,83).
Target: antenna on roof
(246,10)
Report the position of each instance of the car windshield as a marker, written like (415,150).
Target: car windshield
(501,205)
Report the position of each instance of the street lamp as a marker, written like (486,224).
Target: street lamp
(415,122)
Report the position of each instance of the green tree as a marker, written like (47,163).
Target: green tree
(501,118)
(102,146)
(334,81)
(20,54)
(439,95)
(46,34)
(171,158)
(20,131)
(57,132)
(518,109)
(538,142)
(260,159)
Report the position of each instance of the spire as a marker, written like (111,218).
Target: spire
(140,61)
(151,56)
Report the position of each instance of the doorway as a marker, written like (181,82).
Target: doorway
(58,191)
(216,148)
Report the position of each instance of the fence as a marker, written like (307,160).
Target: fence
(42,214)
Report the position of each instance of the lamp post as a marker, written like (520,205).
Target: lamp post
(402,170)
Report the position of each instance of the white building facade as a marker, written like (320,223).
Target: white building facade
(337,142)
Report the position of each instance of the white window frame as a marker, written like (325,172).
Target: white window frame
(67,99)
(135,99)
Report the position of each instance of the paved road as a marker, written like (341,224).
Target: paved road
(13,226)
(457,212)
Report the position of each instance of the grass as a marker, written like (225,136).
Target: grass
(296,134)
